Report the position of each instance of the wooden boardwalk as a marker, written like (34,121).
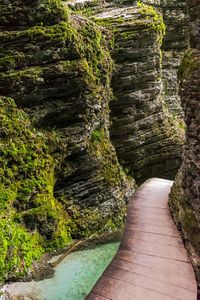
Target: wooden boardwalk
(151,263)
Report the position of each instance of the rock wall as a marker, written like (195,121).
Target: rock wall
(147,128)
(146,132)
(175,42)
(185,195)
(60,177)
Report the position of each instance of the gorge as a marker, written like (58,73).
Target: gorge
(93,99)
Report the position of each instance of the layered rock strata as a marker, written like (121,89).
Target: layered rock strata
(185,195)
(147,128)
(175,43)
(60,177)
(147,137)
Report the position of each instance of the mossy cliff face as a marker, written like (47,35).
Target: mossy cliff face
(147,137)
(147,130)
(194,11)
(60,177)
(30,217)
(185,195)
(175,43)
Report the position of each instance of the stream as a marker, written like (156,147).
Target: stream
(74,276)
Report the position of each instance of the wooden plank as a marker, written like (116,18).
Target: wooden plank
(157,250)
(150,283)
(94,296)
(133,236)
(177,278)
(166,222)
(170,231)
(151,263)
(119,290)
(173,267)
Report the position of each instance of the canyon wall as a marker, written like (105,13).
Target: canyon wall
(185,195)
(76,95)
(60,177)
(147,127)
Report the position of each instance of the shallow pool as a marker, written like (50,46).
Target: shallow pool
(74,277)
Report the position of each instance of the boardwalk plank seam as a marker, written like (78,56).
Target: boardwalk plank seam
(153,278)
(141,250)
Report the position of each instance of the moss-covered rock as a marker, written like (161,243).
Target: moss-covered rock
(147,136)
(185,195)
(31,220)
(147,41)
(175,43)
(22,14)
(61,177)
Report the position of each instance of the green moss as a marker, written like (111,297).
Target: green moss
(32,74)
(31,220)
(27,166)
(102,150)
(184,214)
(144,17)
(83,41)
(37,12)
(97,135)
(97,223)
(93,46)
(10,60)
(18,248)
(63,34)
(53,6)
(157,20)
(93,220)
(188,65)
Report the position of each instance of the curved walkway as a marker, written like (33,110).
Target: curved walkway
(151,263)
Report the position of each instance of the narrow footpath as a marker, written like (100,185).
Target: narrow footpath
(151,263)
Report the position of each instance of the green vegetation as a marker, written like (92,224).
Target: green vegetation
(84,42)
(97,223)
(183,213)
(147,18)
(188,65)
(97,135)
(102,150)
(47,12)
(31,220)
(150,13)
(71,48)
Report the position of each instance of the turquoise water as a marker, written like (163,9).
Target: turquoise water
(77,273)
